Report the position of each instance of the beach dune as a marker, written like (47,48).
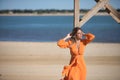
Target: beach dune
(45,61)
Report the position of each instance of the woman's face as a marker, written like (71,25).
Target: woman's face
(79,34)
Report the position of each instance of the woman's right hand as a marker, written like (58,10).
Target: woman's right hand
(67,36)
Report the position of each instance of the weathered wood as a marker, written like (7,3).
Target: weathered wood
(76,13)
(92,12)
(114,17)
(113,12)
(100,4)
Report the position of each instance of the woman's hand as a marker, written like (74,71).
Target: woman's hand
(83,33)
(67,37)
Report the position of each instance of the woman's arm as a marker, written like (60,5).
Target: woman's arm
(89,37)
(63,43)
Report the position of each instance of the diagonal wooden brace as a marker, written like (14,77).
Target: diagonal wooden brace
(111,11)
(92,12)
(100,4)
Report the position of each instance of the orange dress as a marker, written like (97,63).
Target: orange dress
(76,70)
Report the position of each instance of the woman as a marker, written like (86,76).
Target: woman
(76,70)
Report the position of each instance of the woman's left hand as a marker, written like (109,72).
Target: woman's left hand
(83,33)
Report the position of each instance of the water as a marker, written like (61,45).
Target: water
(52,28)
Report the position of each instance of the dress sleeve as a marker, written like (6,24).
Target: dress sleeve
(63,44)
(89,38)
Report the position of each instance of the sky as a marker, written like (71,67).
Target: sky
(50,4)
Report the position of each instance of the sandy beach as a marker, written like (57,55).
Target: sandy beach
(45,61)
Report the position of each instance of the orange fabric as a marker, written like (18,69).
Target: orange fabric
(76,70)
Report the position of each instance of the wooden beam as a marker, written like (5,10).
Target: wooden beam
(76,13)
(92,12)
(115,18)
(100,4)
(113,12)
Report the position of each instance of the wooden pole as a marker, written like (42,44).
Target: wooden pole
(76,13)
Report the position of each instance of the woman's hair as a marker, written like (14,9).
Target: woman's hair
(74,31)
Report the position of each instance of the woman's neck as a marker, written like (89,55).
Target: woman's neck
(76,39)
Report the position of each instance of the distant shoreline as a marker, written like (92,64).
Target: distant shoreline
(51,14)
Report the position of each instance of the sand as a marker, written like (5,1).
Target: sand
(45,61)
